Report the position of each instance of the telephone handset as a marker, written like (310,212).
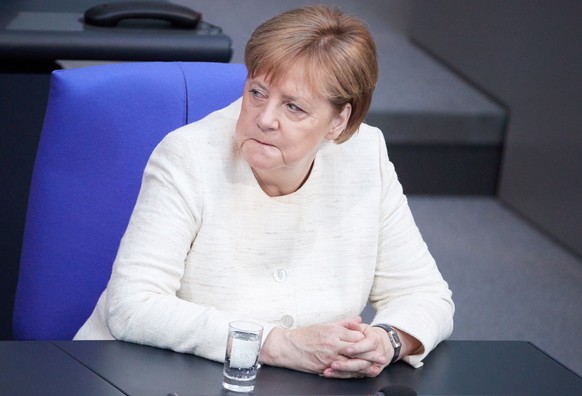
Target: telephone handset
(110,14)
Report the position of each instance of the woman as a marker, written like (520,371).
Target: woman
(282,208)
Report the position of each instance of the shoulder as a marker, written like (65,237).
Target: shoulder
(367,145)
(367,137)
(213,132)
(214,124)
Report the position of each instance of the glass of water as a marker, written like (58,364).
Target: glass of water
(242,356)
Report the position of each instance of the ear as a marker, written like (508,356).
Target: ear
(339,122)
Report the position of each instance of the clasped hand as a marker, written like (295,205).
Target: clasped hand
(346,349)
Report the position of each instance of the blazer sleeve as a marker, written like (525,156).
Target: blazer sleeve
(408,292)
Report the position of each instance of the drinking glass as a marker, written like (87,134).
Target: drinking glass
(241,361)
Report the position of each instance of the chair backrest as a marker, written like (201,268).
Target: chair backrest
(101,125)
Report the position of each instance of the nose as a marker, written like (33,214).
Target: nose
(268,118)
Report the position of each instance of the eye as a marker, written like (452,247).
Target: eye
(256,94)
(294,108)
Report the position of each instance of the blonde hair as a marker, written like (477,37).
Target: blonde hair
(336,50)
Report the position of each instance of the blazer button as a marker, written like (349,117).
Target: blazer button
(280,274)
(287,321)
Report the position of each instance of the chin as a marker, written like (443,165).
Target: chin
(260,160)
(262,165)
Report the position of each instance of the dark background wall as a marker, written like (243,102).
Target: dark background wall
(528,54)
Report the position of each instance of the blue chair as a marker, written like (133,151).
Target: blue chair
(101,125)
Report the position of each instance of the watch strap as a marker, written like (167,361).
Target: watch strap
(394,340)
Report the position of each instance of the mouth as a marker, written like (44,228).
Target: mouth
(260,142)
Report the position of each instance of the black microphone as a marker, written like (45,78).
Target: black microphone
(396,390)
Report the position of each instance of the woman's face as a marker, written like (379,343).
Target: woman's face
(282,124)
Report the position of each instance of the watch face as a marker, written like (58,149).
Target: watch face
(394,339)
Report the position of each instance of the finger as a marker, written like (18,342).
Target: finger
(362,346)
(372,371)
(355,326)
(351,337)
(351,365)
(365,350)
(331,373)
(374,357)
(363,327)
(354,320)
(372,342)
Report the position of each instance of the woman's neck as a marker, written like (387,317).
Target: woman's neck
(282,181)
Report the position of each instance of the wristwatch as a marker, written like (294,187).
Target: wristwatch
(394,340)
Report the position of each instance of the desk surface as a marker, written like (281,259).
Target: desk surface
(98,367)
(42,368)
